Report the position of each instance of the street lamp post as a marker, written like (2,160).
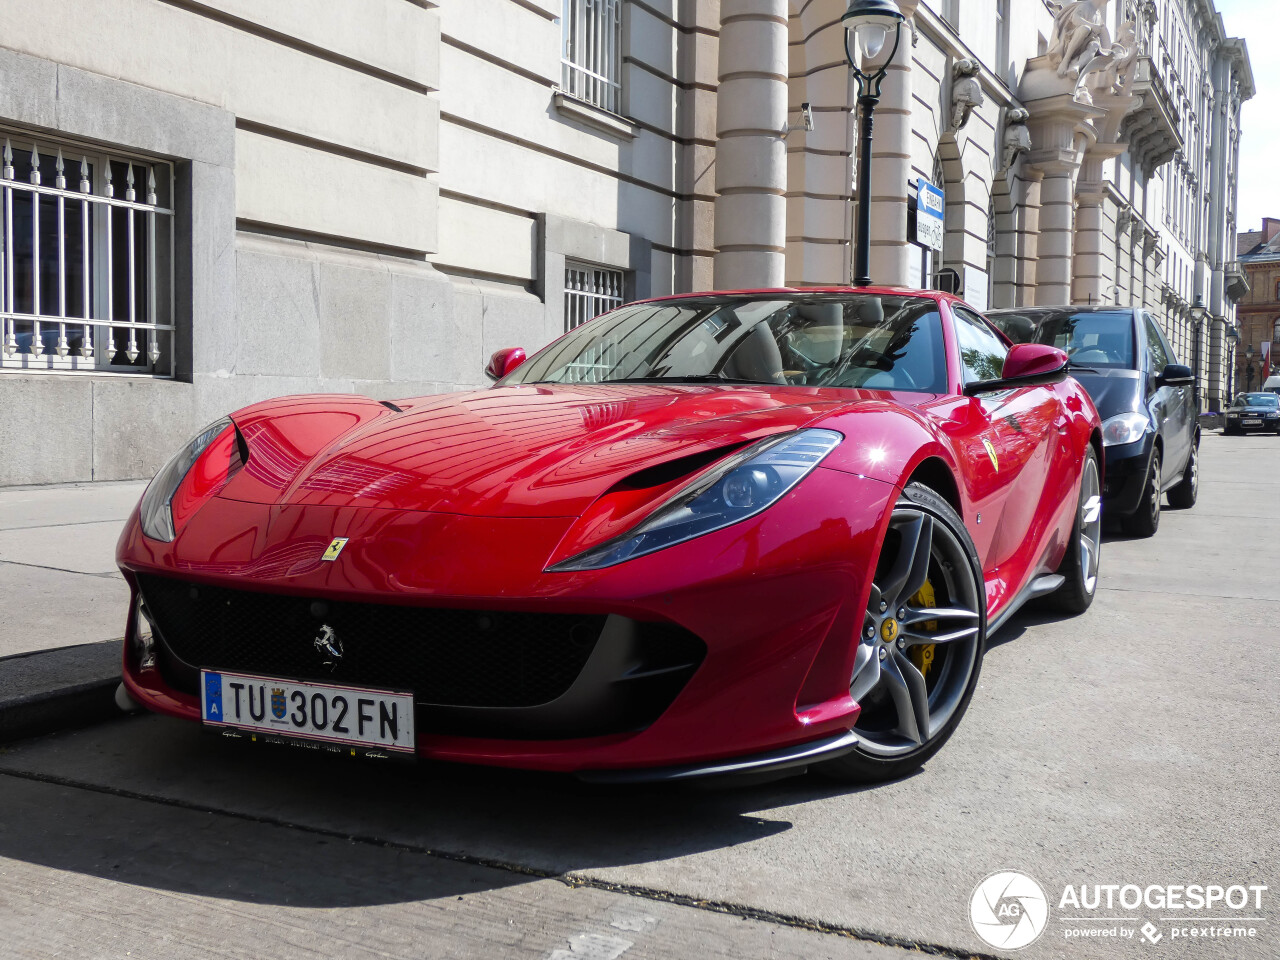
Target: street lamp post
(1199,312)
(1248,369)
(1233,338)
(866,28)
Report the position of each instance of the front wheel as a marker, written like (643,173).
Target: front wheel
(1183,496)
(923,636)
(1079,568)
(1145,521)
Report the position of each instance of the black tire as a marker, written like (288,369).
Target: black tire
(954,562)
(1080,566)
(1184,495)
(1145,521)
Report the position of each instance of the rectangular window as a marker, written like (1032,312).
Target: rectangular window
(86,259)
(592,56)
(590,291)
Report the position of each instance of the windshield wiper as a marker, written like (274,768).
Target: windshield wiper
(1072,365)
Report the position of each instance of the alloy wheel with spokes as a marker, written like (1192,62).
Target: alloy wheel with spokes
(1185,494)
(1083,558)
(1090,525)
(1145,521)
(921,647)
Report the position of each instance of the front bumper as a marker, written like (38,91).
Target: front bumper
(1263,425)
(775,602)
(1127,467)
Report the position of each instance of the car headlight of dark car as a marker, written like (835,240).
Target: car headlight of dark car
(736,489)
(1125,428)
(156,509)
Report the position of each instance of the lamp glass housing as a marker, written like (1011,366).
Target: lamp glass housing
(870,36)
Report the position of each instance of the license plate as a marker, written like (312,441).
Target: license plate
(354,717)
(1252,423)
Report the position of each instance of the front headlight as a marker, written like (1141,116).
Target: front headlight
(745,484)
(1126,428)
(156,510)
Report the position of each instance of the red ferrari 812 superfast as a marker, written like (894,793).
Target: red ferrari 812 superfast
(705,534)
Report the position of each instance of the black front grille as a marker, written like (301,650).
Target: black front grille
(462,658)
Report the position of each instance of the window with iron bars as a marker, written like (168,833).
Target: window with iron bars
(86,260)
(588,292)
(592,55)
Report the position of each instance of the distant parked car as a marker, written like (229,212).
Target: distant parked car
(1144,396)
(1254,412)
(1272,385)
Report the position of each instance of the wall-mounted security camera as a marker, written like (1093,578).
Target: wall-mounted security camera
(806,121)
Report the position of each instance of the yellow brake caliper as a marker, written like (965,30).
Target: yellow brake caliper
(922,655)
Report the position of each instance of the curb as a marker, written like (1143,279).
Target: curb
(55,689)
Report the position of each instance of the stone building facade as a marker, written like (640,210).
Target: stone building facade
(209,204)
(1257,352)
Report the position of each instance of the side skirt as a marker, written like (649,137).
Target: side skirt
(1038,587)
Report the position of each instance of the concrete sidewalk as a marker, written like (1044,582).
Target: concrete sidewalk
(58,580)
(63,604)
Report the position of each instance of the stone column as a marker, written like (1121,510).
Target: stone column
(751,169)
(1090,274)
(1026,205)
(1057,231)
(892,254)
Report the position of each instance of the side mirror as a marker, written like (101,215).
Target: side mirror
(1176,375)
(504,361)
(1027,365)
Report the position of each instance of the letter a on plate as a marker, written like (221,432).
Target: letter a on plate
(335,548)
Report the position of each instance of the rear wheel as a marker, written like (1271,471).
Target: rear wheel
(1079,567)
(922,641)
(1183,496)
(1145,521)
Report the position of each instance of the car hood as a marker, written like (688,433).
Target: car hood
(1252,411)
(528,451)
(1113,392)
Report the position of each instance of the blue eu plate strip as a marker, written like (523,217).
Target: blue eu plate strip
(213,696)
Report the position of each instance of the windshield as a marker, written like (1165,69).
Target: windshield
(1093,338)
(830,340)
(1258,400)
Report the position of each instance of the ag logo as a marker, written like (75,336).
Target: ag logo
(1009,910)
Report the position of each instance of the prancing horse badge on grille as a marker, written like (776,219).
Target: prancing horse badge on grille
(329,646)
(331,552)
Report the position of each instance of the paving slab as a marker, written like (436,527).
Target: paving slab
(89,875)
(58,581)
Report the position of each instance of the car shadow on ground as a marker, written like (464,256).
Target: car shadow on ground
(158,803)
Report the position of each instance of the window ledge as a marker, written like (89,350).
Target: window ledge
(592,116)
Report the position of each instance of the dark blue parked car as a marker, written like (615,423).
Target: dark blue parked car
(1253,411)
(1144,396)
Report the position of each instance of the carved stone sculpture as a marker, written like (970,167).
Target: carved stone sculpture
(1017,138)
(1118,76)
(1080,37)
(966,92)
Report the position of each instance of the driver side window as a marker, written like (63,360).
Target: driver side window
(981,351)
